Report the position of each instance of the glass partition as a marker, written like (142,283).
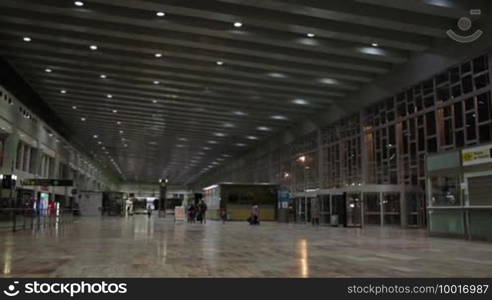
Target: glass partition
(445,190)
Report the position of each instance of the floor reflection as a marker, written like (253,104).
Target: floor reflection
(140,246)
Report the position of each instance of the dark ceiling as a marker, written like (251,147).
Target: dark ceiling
(186,91)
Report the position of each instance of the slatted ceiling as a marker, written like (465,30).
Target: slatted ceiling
(267,63)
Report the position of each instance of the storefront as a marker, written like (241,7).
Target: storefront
(364,205)
(460,189)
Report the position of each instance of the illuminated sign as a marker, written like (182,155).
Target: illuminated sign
(477,155)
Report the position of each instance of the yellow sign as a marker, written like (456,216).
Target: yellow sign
(477,155)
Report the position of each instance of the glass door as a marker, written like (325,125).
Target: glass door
(415,204)
(354,211)
(372,209)
(391,209)
(324,209)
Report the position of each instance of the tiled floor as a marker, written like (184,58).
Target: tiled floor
(139,247)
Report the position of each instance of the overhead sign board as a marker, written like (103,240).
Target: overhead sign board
(477,155)
(47,182)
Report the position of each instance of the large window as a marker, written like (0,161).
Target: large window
(445,190)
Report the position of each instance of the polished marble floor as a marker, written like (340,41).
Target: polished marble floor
(142,247)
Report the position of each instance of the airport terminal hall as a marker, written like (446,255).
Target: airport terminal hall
(245,139)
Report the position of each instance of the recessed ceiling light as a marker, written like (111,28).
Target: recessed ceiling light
(206,148)
(300,101)
(93,47)
(277,75)
(156,82)
(251,137)
(26,39)
(109,96)
(212,142)
(328,81)
(158,55)
(263,128)
(238,24)
(279,117)
(83,119)
(103,76)
(160,14)
(121,131)
(219,134)
(79,3)
(240,144)
(95,136)
(239,113)
(74,107)
(220,63)
(154,101)
(48,70)
(118,122)
(63,91)
(115,111)
(375,44)
(99,142)
(229,125)
(311,35)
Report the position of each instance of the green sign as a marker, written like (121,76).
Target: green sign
(47,182)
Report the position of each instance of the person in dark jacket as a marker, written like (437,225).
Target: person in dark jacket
(202,211)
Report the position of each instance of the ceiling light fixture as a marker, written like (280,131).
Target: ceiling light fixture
(115,111)
(63,91)
(311,35)
(328,81)
(278,117)
(238,24)
(93,47)
(263,128)
(109,96)
(74,107)
(277,75)
(375,44)
(154,101)
(83,119)
(300,101)
(219,134)
(240,144)
(158,55)
(103,76)
(26,39)
(160,14)
(156,82)
(229,125)
(118,122)
(251,137)
(48,70)
(78,3)
(239,113)
(220,63)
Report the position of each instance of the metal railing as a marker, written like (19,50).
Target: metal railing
(15,219)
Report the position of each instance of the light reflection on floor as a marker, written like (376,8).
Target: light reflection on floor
(141,247)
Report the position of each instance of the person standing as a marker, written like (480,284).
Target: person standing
(191,213)
(202,212)
(255,214)
(315,212)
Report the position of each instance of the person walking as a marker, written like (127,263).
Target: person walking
(191,213)
(223,214)
(202,212)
